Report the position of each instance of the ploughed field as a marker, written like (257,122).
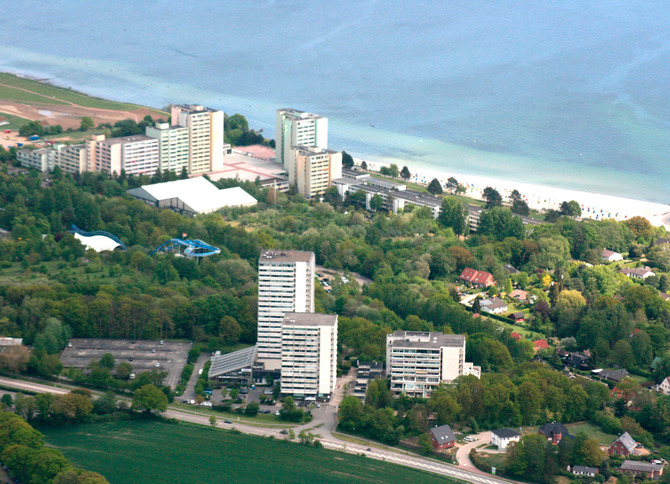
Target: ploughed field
(141,451)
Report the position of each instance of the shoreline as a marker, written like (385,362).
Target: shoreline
(595,206)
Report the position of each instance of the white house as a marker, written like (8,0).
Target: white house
(611,256)
(665,386)
(502,437)
(638,273)
(494,305)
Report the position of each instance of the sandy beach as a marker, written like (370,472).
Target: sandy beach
(594,206)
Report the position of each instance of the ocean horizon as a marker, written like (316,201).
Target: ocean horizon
(557,94)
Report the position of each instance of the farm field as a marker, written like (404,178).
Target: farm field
(148,452)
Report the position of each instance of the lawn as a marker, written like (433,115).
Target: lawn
(148,452)
(47,94)
(593,432)
(15,122)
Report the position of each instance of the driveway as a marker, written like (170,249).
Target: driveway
(362,280)
(189,393)
(463,452)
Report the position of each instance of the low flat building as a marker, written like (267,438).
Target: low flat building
(233,368)
(192,196)
(308,355)
(417,362)
(365,373)
(645,470)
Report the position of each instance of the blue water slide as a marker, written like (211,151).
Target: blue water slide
(191,248)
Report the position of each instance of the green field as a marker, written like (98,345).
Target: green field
(148,452)
(15,122)
(593,432)
(15,88)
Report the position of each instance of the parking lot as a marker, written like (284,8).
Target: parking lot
(143,355)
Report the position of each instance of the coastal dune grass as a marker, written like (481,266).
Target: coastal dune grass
(16,88)
(150,451)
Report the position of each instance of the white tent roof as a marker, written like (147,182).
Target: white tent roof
(200,194)
(97,242)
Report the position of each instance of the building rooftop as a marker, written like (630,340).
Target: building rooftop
(419,339)
(313,150)
(309,319)
(222,364)
(632,465)
(279,256)
(506,433)
(299,114)
(128,139)
(195,108)
(627,441)
(443,434)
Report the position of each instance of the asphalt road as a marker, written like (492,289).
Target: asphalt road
(326,415)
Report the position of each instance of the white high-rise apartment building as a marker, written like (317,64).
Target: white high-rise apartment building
(285,284)
(417,362)
(297,128)
(313,169)
(205,136)
(172,146)
(308,354)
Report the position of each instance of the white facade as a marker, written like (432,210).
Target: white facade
(285,284)
(308,354)
(38,159)
(665,386)
(172,146)
(205,136)
(504,437)
(417,362)
(313,169)
(72,158)
(297,128)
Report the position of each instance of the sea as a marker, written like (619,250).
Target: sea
(569,94)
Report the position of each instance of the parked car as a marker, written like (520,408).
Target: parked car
(228,421)
(283,431)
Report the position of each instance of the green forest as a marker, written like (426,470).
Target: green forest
(51,288)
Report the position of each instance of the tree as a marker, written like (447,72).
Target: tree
(492,197)
(520,207)
(230,330)
(452,184)
(86,124)
(212,421)
(123,370)
(376,202)
(79,476)
(453,214)
(252,409)
(500,223)
(6,401)
(393,171)
(587,451)
(107,361)
(347,160)
(405,174)
(332,196)
(106,404)
(350,413)
(515,195)
(149,398)
(640,226)
(434,187)
(425,444)
(570,209)
(364,165)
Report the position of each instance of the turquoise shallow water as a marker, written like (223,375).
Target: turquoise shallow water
(554,93)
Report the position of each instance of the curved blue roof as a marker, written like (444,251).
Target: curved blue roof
(192,248)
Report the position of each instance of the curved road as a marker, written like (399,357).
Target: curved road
(327,417)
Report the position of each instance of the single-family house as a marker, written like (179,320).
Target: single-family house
(554,431)
(624,445)
(516,336)
(540,344)
(614,376)
(665,386)
(477,278)
(646,470)
(638,272)
(583,471)
(442,437)
(518,317)
(519,295)
(577,360)
(493,305)
(610,256)
(502,437)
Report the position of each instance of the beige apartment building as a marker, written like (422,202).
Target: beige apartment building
(417,362)
(298,128)
(205,136)
(308,354)
(136,155)
(285,284)
(313,169)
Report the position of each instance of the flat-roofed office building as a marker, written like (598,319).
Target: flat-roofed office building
(205,136)
(312,170)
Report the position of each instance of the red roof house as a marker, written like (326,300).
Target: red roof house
(477,278)
(540,344)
